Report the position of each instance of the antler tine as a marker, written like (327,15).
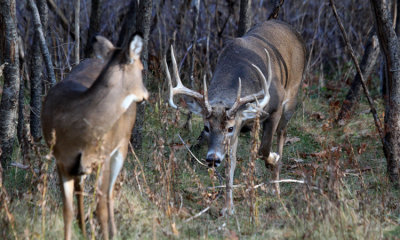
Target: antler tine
(266,83)
(171,94)
(236,104)
(264,93)
(180,88)
(206,102)
(175,68)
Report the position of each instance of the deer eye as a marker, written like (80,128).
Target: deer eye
(230,129)
(206,129)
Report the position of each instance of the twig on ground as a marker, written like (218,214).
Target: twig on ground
(191,153)
(197,215)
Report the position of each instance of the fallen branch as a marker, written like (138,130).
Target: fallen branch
(197,215)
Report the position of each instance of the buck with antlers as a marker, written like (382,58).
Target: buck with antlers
(258,73)
(88,119)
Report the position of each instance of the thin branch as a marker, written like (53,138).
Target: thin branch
(275,12)
(64,22)
(191,153)
(197,215)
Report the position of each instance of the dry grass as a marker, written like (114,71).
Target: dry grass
(346,194)
(163,194)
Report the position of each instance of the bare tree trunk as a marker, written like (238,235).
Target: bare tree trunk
(76,30)
(367,65)
(196,10)
(129,25)
(143,24)
(36,76)
(390,47)
(42,42)
(94,25)
(9,98)
(245,18)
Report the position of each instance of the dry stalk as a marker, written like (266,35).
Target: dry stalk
(4,201)
(93,203)
(251,172)
(148,190)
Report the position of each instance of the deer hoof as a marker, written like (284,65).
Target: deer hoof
(272,160)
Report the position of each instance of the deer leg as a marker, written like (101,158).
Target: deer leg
(67,189)
(229,206)
(271,159)
(79,190)
(116,162)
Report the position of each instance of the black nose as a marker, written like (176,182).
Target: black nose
(213,160)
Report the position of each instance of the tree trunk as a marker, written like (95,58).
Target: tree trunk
(143,24)
(36,76)
(42,42)
(9,98)
(94,26)
(129,24)
(368,63)
(390,47)
(76,30)
(245,18)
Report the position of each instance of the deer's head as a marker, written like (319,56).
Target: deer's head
(222,124)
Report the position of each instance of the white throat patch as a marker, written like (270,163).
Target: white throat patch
(128,101)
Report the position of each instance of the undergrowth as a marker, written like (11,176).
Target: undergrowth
(342,192)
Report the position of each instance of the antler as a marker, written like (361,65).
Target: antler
(181,89)
(253,97)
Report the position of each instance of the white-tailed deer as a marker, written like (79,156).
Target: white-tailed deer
(259,72)
(87,120)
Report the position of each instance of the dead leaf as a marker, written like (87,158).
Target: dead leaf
(362,148)
(174,229)
(318,116)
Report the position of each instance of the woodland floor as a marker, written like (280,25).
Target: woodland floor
(346,194)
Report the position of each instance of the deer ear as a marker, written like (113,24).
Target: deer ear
(193,106)
(102,47)
(135,48)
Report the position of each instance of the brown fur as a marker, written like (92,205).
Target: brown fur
(84,121)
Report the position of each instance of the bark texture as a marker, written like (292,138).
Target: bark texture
(390,47)
(9,98)
(129,24)
(244,18)
(196,10)
(36,76)
(76,30)
(94,25)
(368,62)
(42,42)
(143,24)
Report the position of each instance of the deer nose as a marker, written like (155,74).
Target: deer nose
(213,160)
(146,95)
